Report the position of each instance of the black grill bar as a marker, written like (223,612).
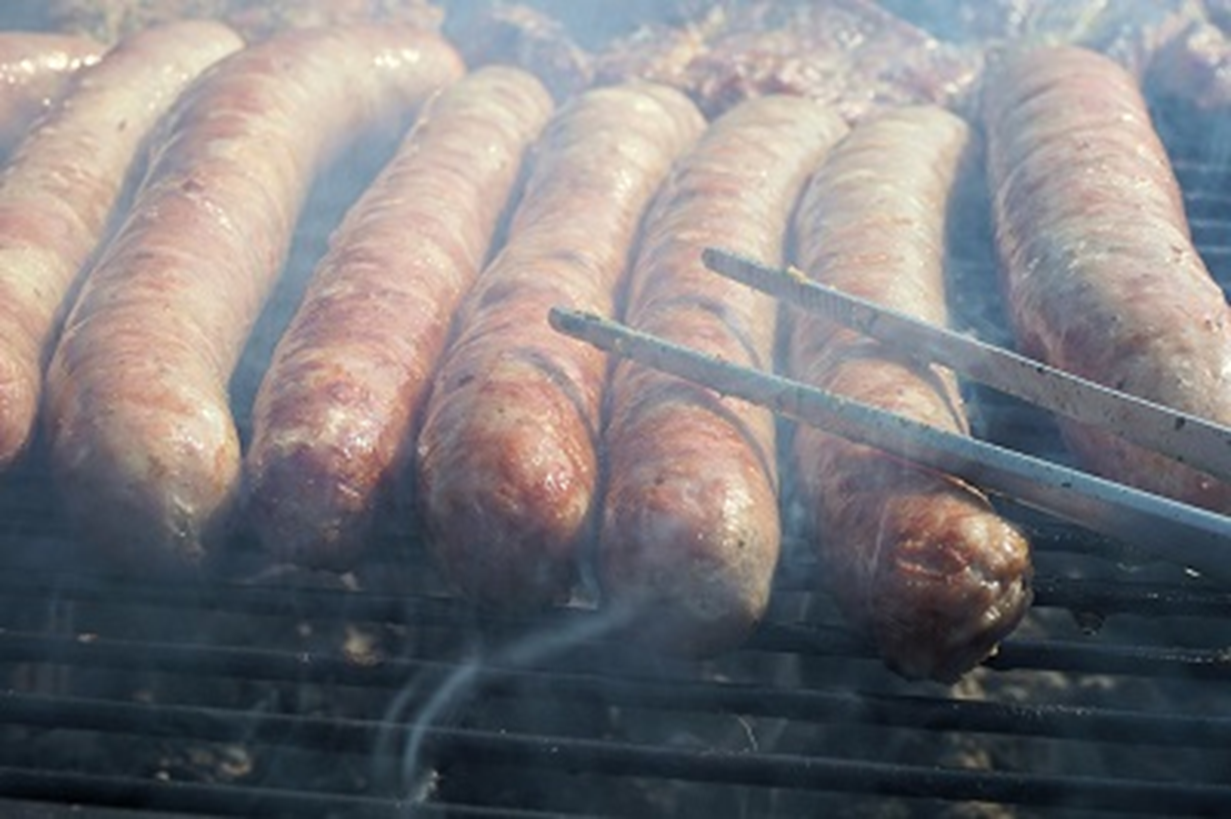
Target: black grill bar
(1021,654)
(149,794)
(1198,176)
(1075,594)
(573,755)
(1208,231)
(1086,724)
(834,774)
(257,600)
(1217,257)
(290,600)
(225,800)
(303,666)
(1124,597)
(1132,660)
(809,640)
(1208,207)
(1092,724)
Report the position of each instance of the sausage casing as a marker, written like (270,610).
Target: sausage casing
(690,531)
(916,558)
(335,409)
(1100,274)
(60,187)
(507,457)
(143,443)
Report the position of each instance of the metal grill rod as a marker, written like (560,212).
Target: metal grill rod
(1164,528)
(225,800)
(1147,599)
(1020,654)
(1156,599)
(1062,722)
(790,771)
(1106,597)
(1212,665)
(1187,438)
(1056,722)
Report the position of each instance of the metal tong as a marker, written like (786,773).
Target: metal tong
(1153,525)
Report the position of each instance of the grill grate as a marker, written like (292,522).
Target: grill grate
(300,696)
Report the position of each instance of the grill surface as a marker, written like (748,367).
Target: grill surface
(293,694)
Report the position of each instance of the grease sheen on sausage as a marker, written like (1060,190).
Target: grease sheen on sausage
(35,70)
(507,457)
(335,409)
(143,443)
(58,190)
(690,532)
(916,558)
(1099,270)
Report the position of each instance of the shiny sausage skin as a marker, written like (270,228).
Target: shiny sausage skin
(1099,270)
(507,458)
(916,558)
(143,444)
(690,532)
(35,70)
(335,408)
(60,187)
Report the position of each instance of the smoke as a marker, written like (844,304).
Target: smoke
(424,708)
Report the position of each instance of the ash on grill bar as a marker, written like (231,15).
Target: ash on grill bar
(903,491)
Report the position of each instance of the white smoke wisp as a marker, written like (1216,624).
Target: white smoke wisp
(440,705)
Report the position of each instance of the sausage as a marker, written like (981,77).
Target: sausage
(143,444)
(917,559)
(335,409)
(690,532)
(1098,267)
(35,69)
(61,186)
(507,457)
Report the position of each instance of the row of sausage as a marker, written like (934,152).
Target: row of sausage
(420,346)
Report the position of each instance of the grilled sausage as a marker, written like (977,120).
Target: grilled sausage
(58,190)
(916,558)
(507,459)
(35,69)
(336,406)
(1099,271)
(142,439)
(690,532)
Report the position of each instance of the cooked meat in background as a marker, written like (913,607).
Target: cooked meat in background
(858,54)
(1195,67)
(964,21)
(524,36)
(591,24)
(851,54)
(1130,31)
(109,20)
